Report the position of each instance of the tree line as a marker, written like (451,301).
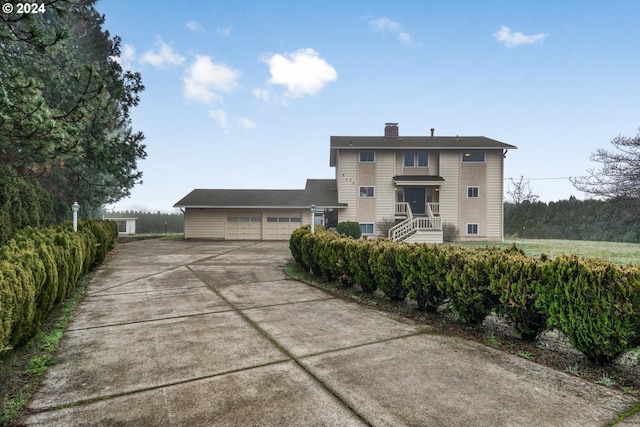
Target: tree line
(65,125)
(149,222)
(613,219)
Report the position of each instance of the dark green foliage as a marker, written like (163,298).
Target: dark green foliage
(600,220)
(595,303)
(349,228)
(359,266)
(467,284)
(150,222)
(385,271)
(516,278)
(38,269)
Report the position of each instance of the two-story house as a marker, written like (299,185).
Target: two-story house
(421,183)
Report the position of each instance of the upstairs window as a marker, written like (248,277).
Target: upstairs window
(473,192)
(367,192)
(367,156)
(409,160)
(423,159)
(413,159)
(473,156)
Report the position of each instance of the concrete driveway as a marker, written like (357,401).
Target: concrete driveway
(204,333)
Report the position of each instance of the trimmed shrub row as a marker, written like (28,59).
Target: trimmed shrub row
(595,303)
(40,267)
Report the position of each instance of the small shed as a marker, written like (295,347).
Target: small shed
(125,225)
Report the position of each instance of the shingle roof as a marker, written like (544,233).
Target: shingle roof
(321,192)
(414,143)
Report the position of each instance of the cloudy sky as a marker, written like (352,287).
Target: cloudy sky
(246,94)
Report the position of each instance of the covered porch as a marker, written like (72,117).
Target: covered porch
(417,208)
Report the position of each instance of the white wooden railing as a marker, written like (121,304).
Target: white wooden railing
(412,225)
(404,209)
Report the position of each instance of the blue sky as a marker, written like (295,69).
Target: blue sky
(246,94)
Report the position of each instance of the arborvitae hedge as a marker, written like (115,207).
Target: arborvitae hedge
(595,303)
(40,267)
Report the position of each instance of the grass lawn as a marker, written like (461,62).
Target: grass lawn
(619,253)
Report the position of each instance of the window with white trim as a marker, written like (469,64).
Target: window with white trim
(409,160)
(473,156)
(423,159)
(367,227)
(473,192)
(367,192)
(416,158)
(472,228)
(367,156)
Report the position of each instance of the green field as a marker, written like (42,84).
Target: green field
(619,253)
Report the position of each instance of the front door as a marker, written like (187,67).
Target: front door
(416,198)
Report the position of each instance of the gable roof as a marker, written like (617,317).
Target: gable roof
(321,192)
(414,143)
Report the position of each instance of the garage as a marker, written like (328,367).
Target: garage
(255,214)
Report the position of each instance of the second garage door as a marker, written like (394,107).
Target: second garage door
(279,225)
(244,227)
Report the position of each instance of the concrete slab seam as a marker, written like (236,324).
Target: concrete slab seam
(157,387)
(159,319)
(284,351)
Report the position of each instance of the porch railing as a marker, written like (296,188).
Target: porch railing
(404,209)
(412,225)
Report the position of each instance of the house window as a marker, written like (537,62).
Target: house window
(367,192)
(367,228)
(473,192)
(272,219)
(409,161)
(423,159)
(472,228)
(420,157)
(367,156)
(473,156)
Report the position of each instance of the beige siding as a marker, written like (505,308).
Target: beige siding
(347,178)
(204,223)
(366,208)
(473,210)
(449,170)
(495,196)
(385,188)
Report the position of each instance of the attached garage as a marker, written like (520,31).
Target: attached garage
(254,214)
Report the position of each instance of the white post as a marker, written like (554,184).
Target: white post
(313,219)
(75,207)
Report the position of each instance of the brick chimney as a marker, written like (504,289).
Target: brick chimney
(391,130)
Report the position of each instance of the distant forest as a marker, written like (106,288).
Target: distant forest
(149,222)
(616,220)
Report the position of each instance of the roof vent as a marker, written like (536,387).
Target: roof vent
(391,130)
(432,131)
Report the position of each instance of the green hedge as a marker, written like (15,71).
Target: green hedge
(595,303)
(40,267)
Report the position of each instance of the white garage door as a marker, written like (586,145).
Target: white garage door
(279,225)
(244,227)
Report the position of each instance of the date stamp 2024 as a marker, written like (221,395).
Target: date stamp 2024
(23,8)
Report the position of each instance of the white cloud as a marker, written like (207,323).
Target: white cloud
(194,25)
(511,39)
(127,56)
(223,31)
(302,72)
(387,25)
(205,79)
(164,56)
(222,118)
